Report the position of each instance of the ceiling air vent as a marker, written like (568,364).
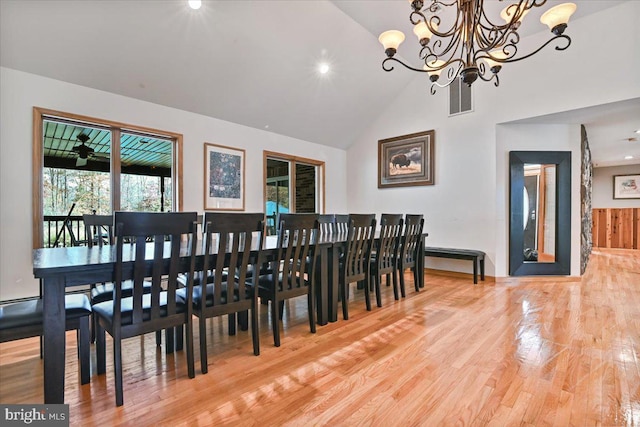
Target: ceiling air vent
(460,100)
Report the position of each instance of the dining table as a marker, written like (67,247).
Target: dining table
(61,268)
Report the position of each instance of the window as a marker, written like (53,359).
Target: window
(292,184)
(460,100)
(83,165)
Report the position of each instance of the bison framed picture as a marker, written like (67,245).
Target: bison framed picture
(406,160)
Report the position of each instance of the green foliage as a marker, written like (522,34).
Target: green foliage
(91,191)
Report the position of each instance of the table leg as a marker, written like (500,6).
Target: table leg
(333,272)
(323,288)
(420,262)
(54,339)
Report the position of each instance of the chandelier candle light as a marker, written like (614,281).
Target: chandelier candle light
(473,43)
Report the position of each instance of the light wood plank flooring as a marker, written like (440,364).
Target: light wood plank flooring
(527,352)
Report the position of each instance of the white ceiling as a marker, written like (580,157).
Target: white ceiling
(249,62)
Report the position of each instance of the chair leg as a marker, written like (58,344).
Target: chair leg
(101,349)
(117,368)
(255,331)
(345,301)
(281,309)
(376,282)
(93,328)
(158,338)
(367,295)
(275,322)
(311,306)
(403,289)
(168,336)
(84,342)
(191,370)
(179,338)
(395,285)
(243,320)
(232,323)
(204,361)
(417,279)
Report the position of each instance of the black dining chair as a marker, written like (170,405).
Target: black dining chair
(355,263)
(385,256)
(24,320)
(293,269)
(408,255)
(141,313)
(228,240)
(99,232)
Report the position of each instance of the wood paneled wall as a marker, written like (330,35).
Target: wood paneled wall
(616,228)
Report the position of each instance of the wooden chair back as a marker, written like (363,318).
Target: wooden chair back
(356,263)
(98,229)
(360,241)
(167,231)
(411,238)
(388,243)
(297,255)
(236,235)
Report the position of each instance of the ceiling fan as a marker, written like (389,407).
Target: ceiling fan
(84,151)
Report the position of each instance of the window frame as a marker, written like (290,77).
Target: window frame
(37,193)
(292,178)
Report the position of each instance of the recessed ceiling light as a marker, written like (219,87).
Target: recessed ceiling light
(323,68)
(628,157)
(638,131)
(195,4)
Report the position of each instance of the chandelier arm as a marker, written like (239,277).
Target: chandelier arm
(390,67)
(508,43)
(451,76)
(417,16)
(482,73)
(433,22)
(562,36)
(436,5)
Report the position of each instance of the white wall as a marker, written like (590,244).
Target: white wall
(602,196)
(543,138)
(467,206)
(20,92)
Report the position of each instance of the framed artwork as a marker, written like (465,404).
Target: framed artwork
(406,160)
(626,187)
(223,178)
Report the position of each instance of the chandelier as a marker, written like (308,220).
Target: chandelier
(473,46)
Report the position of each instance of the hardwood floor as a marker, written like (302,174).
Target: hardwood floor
(523,352)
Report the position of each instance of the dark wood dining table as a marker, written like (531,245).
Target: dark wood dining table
(62,268)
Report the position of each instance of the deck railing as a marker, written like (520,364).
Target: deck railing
(56,233)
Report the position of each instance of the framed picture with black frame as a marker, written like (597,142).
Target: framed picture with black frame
(626,186)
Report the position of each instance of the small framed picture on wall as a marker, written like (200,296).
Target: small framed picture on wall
(626,187)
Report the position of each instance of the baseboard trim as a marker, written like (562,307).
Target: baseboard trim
(458,275)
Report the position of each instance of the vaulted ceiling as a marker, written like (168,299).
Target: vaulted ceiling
(250,62)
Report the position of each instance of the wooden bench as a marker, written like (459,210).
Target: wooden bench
(469,254)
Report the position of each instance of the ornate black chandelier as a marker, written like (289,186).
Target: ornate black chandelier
(473,46)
